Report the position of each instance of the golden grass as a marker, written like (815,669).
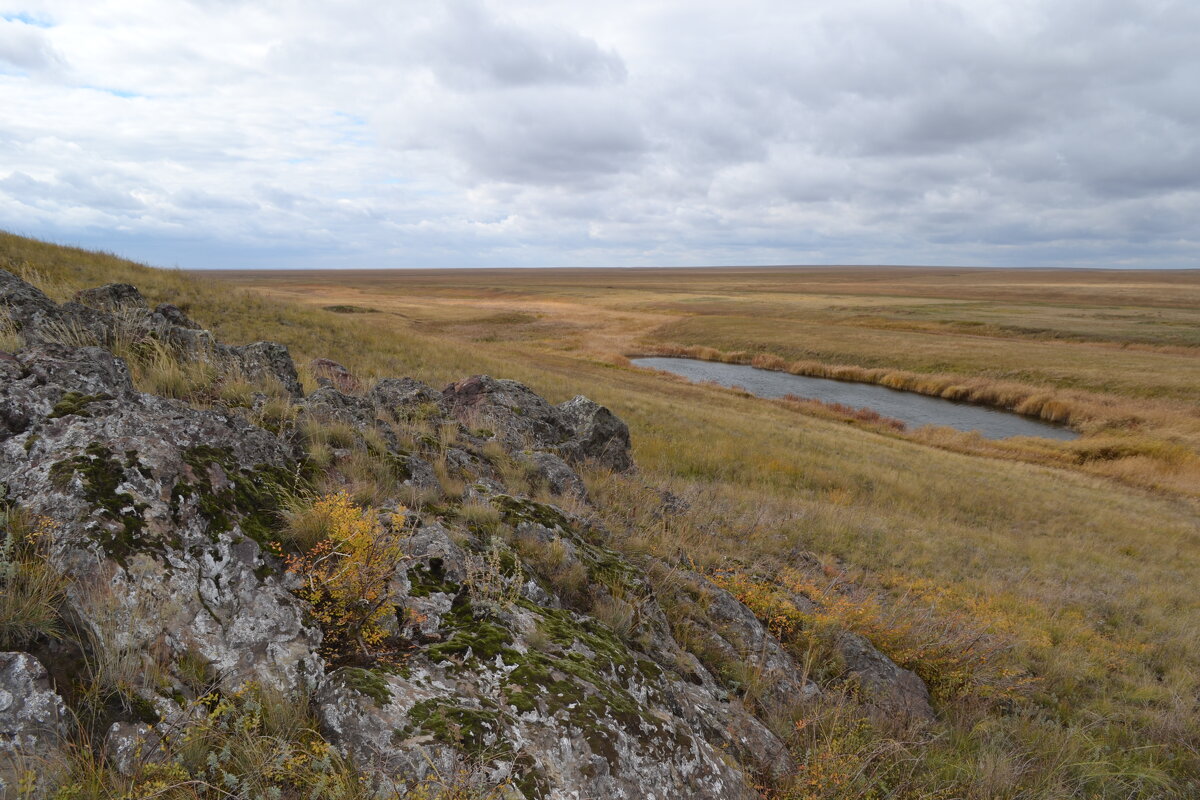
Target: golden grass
(1081,557)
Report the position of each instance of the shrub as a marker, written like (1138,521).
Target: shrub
(345,576)
(488,582)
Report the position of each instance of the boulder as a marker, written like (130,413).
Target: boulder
(407,398)
(330,373)
(111,296)
(579,430)
(554,473)
(888,688)
(597,434)
(268,361)
(25,304)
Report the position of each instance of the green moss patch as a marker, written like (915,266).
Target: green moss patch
(101,474)
(517,510)
(366,682)
(252,499)
(76,404)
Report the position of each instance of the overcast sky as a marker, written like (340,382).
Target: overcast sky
(218,133)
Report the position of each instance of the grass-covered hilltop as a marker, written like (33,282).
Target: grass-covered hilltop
(429,535)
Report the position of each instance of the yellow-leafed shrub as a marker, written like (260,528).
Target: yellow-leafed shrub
(345,575)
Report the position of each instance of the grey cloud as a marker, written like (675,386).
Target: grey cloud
(536,131)
(27,47)
(471,48)
(70,189)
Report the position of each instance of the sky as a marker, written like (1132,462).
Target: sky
(532,133)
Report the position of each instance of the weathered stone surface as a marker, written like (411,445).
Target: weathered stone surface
(111,296)
(155,509)
(596,434)
(267,361)
(407,398)
(555,473)
(331,373)
(175,317)
(26,305)
(129,745)
(543,696)
(740,637)
(889,688)
(578,430)
(32,720)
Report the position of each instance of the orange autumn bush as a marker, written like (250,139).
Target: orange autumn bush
(345,575)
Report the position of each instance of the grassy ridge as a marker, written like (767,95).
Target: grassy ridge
(1092,584)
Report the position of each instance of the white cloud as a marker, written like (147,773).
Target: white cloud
(543,132)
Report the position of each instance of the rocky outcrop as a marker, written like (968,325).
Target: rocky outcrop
(891,690)
(111,297)
(158,507)
(579,430)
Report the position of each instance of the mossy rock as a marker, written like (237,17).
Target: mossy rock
(101,474)
(366,682)
(252,500)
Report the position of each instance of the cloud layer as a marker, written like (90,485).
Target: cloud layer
(539,133)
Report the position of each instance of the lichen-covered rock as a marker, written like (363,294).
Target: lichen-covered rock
(597,434)
(32,720)
(158,507)
(543,697)
(407,398)
(268,361)
(129,745)
(111,296)
(578,430)
(25,304)
(737,635)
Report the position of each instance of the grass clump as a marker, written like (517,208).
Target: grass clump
(10,334)
(31,591)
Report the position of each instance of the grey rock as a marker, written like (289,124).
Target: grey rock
(25,304)
(331,373)
(516,415)
(596,434)
(407,398)
(555,473)
(739,636)
(890,689)
(267,361)
(124,481)
(579,430)
(129,745)
(175,317)
(111,296)
(32,720)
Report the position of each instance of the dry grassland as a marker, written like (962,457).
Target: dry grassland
(1080,562)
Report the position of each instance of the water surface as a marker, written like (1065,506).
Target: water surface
(910,408)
